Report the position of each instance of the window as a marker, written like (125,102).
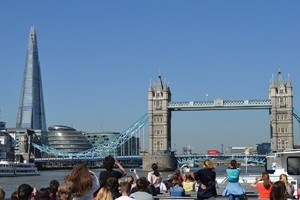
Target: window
(293,165)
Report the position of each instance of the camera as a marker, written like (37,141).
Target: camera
(131,169)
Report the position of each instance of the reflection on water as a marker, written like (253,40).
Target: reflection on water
(10,184)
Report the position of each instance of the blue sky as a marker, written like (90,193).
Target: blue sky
(98,57)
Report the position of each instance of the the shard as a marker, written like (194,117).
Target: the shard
(31,113)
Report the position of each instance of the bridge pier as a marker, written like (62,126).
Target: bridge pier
(164,162)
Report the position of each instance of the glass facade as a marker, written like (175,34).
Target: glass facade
(67,139)
(31,113)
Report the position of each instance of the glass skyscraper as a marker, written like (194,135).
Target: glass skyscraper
(31,113)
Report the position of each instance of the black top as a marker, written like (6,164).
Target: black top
(208,178)
(104,175)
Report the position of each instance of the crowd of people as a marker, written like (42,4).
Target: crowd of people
(83,184)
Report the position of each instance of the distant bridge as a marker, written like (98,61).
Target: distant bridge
(181,159)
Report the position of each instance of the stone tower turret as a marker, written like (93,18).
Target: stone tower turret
(159,96)
(281,114)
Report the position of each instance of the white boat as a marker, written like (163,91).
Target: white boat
(9,169)
(286,162)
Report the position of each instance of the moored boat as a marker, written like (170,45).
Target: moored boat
(10,169)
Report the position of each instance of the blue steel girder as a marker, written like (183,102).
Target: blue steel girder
(220,104)
(104,148)
(296,115)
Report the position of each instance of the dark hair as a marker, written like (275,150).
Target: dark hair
(2,193)
(155,169)
(53,187)
(142,184)
(125,187)
(266,180)
(109,162)
(14,195)
(24,191)
(175,179)
(233,164)
(278,191)
(112,183)
(42,194)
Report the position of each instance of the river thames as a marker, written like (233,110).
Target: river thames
(10,184)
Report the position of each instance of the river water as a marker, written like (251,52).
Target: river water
(10,184)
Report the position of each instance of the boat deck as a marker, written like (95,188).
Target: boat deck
(250,192)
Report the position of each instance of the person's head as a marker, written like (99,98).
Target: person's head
(125,188)
(177,171)
(142,184)
(109,162)
(129,179)
(65,190)
(2,194)
(53,186)
(25,192)
(42,194)
(81,177)
(154,167)
(14,195)
(233,164)
(175,179)
(188,176)
(266,180)
(278,191)
(283,178)
(208,164)
(112,183)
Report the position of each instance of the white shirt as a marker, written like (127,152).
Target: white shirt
(124,198)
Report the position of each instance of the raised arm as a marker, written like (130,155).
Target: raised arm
(122,170)
(257,179)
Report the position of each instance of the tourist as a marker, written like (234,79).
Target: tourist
(289,189)
(188,182)
(125,190)
(109,163)
(141,194)
(155,177)
(42,194)
(264,186)
(130,179)
(278,191)
(2,194)
(207,177)
(14,195)
(180,179)
(25,192)
(176,190)
(109,191)
(53,188)
(233,190)
(85,181)
(65,191)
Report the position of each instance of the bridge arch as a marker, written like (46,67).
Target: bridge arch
(279,105)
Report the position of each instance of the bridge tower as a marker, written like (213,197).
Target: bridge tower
(281,113)
(159,95)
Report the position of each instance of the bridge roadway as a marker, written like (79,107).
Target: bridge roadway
(181,159)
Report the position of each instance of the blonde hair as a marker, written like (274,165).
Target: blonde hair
(208,164)
(104,194)
(284,179)
(129,179)
(65,190)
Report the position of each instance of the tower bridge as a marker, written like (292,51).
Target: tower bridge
(31,115)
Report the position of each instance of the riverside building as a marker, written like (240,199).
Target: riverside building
(68,139)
